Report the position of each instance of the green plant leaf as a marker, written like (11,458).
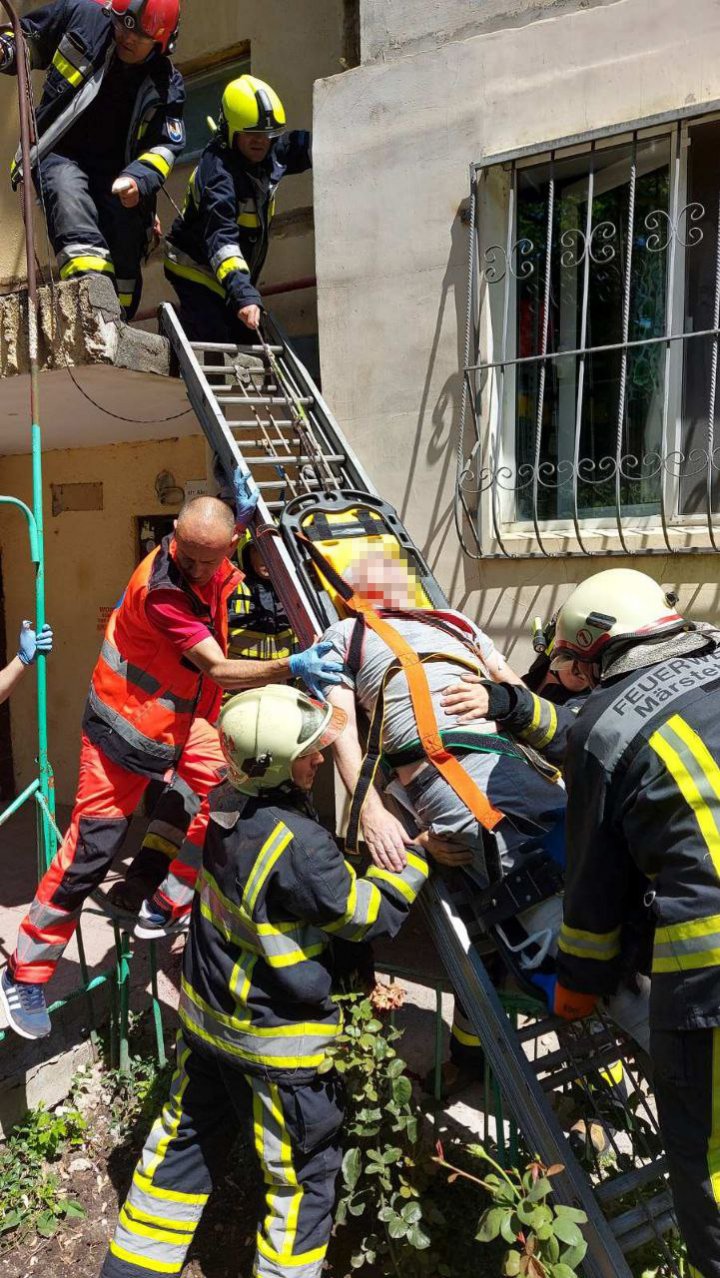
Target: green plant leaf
(402,1090)
(574,1256)
(491,1223)
(511,1265)
(73,1210)
(508,1228)
(572,1213)
(417,1238)
(563,1271)
(397,1227)
(567,1231)
(46,1224)
(392,1155)
(540,1189)
(395,1068)
(352,1167)
(411,1212)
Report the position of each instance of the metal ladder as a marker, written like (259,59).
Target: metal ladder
(260,411)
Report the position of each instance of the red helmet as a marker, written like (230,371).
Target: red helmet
(159,20)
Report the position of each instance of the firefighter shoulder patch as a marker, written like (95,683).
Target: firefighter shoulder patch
(176,130)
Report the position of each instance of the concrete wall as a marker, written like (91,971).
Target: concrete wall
(292,44)
(90,555)
(394,140)
(394,28)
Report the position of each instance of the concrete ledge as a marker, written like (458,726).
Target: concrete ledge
(101,381)
(80,323)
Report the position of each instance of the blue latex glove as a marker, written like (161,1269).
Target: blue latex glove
(246,498)
(31,644)
(315,668)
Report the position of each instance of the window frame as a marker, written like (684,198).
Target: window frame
(207,69)
(489,393)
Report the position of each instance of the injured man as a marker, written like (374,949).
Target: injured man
(525,794)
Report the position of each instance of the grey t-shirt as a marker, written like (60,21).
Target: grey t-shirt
(400,728)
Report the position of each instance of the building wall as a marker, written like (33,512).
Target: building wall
(291,45)
(90,556)
(393,142)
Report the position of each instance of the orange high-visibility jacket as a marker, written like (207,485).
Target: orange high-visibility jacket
(144,693)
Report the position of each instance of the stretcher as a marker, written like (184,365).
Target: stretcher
(260,411)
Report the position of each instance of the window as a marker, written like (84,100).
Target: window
(595,306)
(204,93)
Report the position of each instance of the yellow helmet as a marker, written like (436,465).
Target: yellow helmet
(263,731)
(249,105)
(617,605)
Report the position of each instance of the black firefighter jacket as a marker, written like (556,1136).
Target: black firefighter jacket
(273,892)
(221,238)
(642,769)
(73,41)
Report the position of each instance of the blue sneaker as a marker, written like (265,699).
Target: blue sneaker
(25,1007)
(153,923)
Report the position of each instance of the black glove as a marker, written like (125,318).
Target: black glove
(7,52)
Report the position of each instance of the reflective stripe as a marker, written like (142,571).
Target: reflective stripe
(166,1126)
(156,751)
(308,1265)
(613,1074)
(196,274)
(462,1036)
(158,158)
(83,265)
(228,252)
(156,1266)
(409,883)
(300,1046)
(68,72)
(241,977)
(145,1186)
(543,725)
(72,251)
(271,850)
(158,844)
(141,679)
(272,1144)
(714,1141)
(361,910)
(155,1232)
(232,264)
(685,947)
(247,214)
(696,775)
(600,947)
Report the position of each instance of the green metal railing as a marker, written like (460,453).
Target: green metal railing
(42,789)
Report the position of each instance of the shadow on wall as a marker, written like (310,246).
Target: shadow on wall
(437,450)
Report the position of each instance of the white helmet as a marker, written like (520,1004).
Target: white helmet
(618,605)
(263,731)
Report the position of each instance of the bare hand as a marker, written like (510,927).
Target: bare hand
(386,839)
(443,852)
(127,191)
(467,699)
(250,316)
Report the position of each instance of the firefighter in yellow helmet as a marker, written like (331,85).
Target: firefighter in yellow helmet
(255,1007)
(642,770)
(217,247)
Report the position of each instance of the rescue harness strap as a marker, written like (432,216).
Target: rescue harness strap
(429,736)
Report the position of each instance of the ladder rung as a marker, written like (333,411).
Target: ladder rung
(630,1181)
(261,401)
(235,350)
(252,425)
(637,1217)
(289,461)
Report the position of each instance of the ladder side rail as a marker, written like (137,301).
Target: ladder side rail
(517,1080)
(330,427)
(294,598)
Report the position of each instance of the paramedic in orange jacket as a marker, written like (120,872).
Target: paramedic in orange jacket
(154,696)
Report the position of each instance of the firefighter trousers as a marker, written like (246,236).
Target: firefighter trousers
(296,1131)
(107,796)
(90,230)
(686,1070)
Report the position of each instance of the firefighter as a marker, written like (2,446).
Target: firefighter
(154,697)
(110,130)
(255,1007)
(30,644)
(217,247)
(642,769)
(258,630)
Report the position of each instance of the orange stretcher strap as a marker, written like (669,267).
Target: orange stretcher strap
(420,697)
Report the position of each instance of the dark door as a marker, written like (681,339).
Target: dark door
(7,774)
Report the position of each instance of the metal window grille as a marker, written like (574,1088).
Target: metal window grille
(589,405)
